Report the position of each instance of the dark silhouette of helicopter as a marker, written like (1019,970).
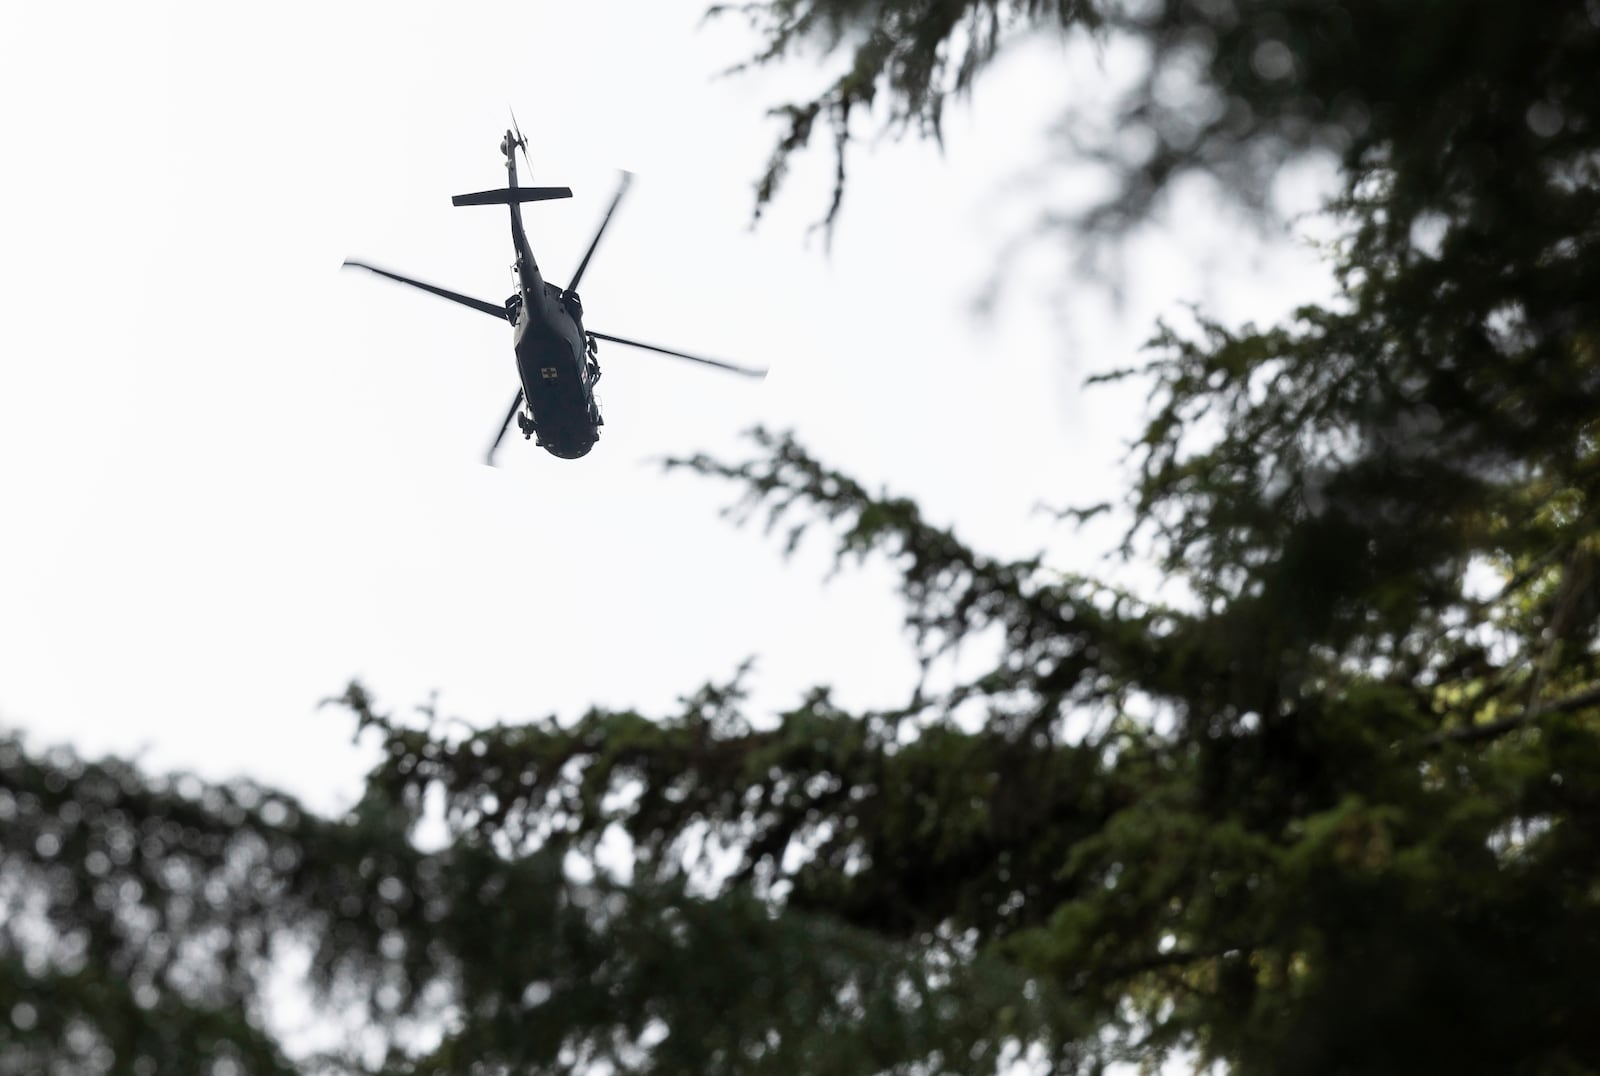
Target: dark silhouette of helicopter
(557,358)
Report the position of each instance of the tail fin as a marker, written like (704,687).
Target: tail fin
(512,196)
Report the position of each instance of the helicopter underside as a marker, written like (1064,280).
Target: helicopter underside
(554,382)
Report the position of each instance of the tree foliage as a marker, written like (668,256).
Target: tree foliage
(1447,100)
(1331,805)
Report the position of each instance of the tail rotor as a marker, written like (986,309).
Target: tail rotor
(520,141)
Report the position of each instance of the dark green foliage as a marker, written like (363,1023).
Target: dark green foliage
(139,919)
(1455,99)
(1332,806)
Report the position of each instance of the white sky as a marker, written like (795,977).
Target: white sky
(233,477)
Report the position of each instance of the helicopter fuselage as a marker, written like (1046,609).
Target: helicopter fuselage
(557,372)
(553,360)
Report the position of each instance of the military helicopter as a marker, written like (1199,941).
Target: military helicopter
(557,358)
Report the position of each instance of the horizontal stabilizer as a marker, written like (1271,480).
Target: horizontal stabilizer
(510,195)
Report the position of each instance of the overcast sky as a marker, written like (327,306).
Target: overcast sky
(234,477)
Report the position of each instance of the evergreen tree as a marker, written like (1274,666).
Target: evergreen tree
(1334,809)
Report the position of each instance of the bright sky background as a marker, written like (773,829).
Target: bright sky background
(234,477)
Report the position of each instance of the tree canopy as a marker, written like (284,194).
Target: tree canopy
(1331,806)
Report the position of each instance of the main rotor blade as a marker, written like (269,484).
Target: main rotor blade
(627,177)
(748,371)
(492,309)
(504,426)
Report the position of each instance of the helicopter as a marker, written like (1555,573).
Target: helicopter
(557,358)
